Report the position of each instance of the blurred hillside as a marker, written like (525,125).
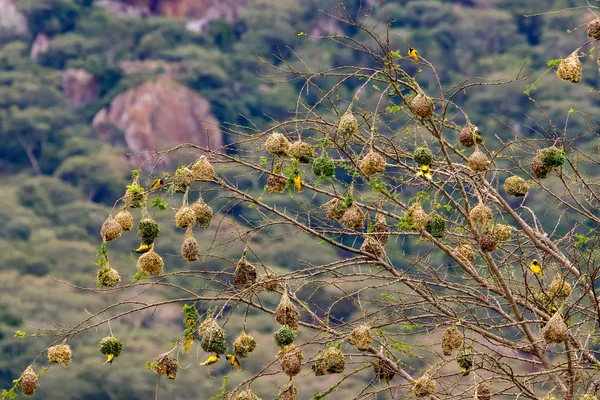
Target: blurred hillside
(83,83)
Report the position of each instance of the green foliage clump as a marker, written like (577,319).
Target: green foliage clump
(148,230)
(552,157)
(110,345)
(323,167)
(284,336)
(423,156)
(191,319)
(436,225)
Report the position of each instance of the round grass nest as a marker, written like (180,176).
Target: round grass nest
(593,28)
(588,396)
(245,273)
(29,381)
(291,360)
(556,330)
(213,336)
(422,106)
(301,151)
(361,337)
(190,249)
(287,392)
(148,230)
(383,371)
(417,217)
(329,361)
(108,277)
(166,363)
(424,386)
(569,68)
(436,225)
(203,213)
(464,359)
(183,178)
(488,242)
(551,397)
(372,246)
(480,215)
(381,230)
(135,196)
(125,219)
(111,229)
(452,340)
(372,163)
(246,394)
(287,313)
(559,288)
(478,161)
(501,232)
(465,253)
(277,144)
(110,345)
(60,354)
(538,168)
(185,216)
(552,157)
(284,336)
(269,282)
(334,209)
(483,391)
(353,218)
(469,135)
(347,125)
(243,345)
(323,167)
(203,170)
(423,156)
(516,186)
(151,263)
(276,184)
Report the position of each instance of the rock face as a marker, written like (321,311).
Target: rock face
(12,21)
(80,86)
(40,45)
(156,116)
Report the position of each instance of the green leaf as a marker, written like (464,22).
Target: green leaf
(139,276)
(20,334)
(159,204)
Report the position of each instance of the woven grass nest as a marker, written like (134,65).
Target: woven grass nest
(108,277)
(148,230)
(60,354)
(287,392)
(538,168)
(381,230)
(190,249)
(166,363)
(488,242)
(465,253)
(422,155)
(151,263)
(483,391)
(183,178)
(569,68)
(284,336)
(424,386)
(559,288)
(301,151)
(111,229)
(334,209)
(469,135)
(203,213)
(478,161)
(372,163)
(556,330)
(501,232)
(353,217)
(452,339)
(287,313)
(291,360)
(348,125)
(213,336)
(125,219)
(436,225)
(593,28)
(422,106)
(29,381)
(417,217)
(203,170)
(516,186)
(480,215)
(185,216)
(329,361)
(372,246)
(383,371)
(361,337)
(246,394)
(245,273)
(277,144)
(243,345)
(276,184)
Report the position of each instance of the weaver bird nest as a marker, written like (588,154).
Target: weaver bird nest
(291,360)
(516,186)
(148,230)
(372,246)
(501,232)
(488,242)
(151,263)
(329,361)
(569,68)
(483,391)
(435,225)
(111,229)
(108,277)
(424,386)
(277,144)
(423,156)
(183,178)
(556,330)
(246,394)
(465,253)
(381,230)
(361,337)
(478,161)
(203,213)
(559,288)
(287,392)
(323,166)
(135,196)
(334,209)
(416,217)
(353,217)
(287,313)
(422,106)
(110,345)
(464,359)
(372,163)
(190,249)
(213,336)
(60,354)
(186,216)
(284,336)
(348,125)
(301,151)
(452,340)
(469,135)
(243,345)
(538,168)
(480,215)
(245,273)
(166,363)
(29,381)
(203,170)
(552,157)
(125,219)
(269,282)
(276,184)
(588,397)
(593,28)
(383,371)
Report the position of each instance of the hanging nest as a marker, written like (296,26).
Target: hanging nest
(203,170)
(556,330)
(334,209)
(383,371)
(190,249)
(60,354)
(559,288)
(478,161)
(329,361)
(353,218)
(287,313)
(269,282)
(108,277)
(348,125)
(538,168)
(135,196)
(291,360)
(110,346)
(422,106)
(552,157)
(203,213)
(551,397)
(275,184)
(469,135)
(361,337)
(151,263)
(284,336)
(435,225)
(452,340)
(423,156)
(213,336)
(424,386)
(588,397)
(569,68)
(29,381)
(465,253)
(186,216)
(593,28)
(148,230)
(464,359)
(372,163)
(416,217)
(243,345)
(277,144)
(483,391)
(111,229)
(488,242)
(501,232)
(301,151)
(287,392)
(372,246)
(246,394)
(323,167)
(516,186)
(480,215)
(166,363)
(245,273)
(183,178)
(381,230)
(125,219)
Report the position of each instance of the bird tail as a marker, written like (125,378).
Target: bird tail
(109,359)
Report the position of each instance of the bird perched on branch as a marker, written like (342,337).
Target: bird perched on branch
(157,184)
(536,267)
(425,172)
(414,54)
(234,361)
(211,360)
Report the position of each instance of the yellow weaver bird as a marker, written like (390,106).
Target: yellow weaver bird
(414,54)
(188,343)
(425,172)
(157,183)
(110,359)
(298,183)
(234,361)
(211,360)
(144,248)
(536,267)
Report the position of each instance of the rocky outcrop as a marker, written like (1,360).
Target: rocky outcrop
(40,45)
(80,86)
(12,22)
(125,10)
(156,116)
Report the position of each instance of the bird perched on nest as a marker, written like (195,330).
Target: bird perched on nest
(536,267)
(414,54)
(211,360)
(144,248)
(234,361)
(425,172)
